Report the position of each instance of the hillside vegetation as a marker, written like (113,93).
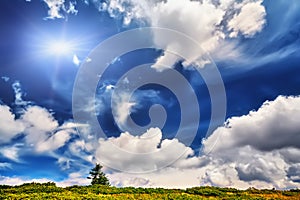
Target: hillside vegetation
(51,191)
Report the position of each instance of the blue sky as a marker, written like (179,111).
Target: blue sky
(225,74)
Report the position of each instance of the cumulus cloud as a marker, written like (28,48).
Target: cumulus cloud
(143,153)
(40,130)
(9,126)
(259,149)
(260,146)
(43,132)
(193,18)
(209,23)
(270,127)
(256,150)
(250,19)
(33,129)
(39,118)
(205,22)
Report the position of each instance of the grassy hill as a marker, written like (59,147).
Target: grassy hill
(51,191)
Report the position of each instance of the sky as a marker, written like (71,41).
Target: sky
(162,93)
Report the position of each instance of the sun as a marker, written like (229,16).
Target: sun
(60,47)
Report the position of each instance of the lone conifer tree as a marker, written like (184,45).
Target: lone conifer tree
(98,177)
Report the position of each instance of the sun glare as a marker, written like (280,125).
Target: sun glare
(60,48)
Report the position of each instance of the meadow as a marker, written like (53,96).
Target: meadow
(51,191)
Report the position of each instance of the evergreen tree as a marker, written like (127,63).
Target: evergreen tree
(98,177)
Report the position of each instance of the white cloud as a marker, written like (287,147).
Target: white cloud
(18,94)
(260,149)
(261,146)
(95,104)
(204,22)
(39,131)
(39,118)
(128,10)
(71,125)
(54,142)
(55,8)
(9,126)
(193,18)
(19,181)
(249,21)
(42,131)
(59,8)
(73,179)
(5,78)
(167,178)
(71,9)
(270,127)
(208,22)
(125,102)
(76,60)
(257,150)
(144,153)
(122,107)
(10,152)
(40,125)
(82,149)
(5,165)
(36,131)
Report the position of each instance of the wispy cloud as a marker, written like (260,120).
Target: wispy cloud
(122,107)
(5,78)
(18,94)
(11,152)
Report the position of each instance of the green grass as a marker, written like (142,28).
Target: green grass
(51,191)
